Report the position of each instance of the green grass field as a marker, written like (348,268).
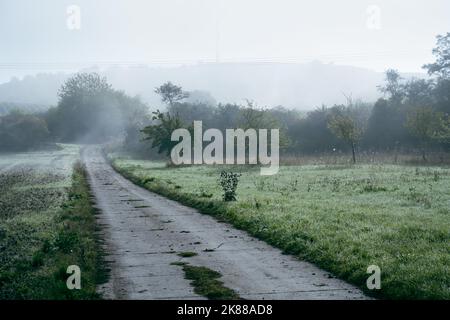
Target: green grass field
(343,218)
(46,224)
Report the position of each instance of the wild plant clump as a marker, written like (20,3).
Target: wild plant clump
(229,182)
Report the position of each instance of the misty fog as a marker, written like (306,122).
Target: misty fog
(295,54)
(298,86)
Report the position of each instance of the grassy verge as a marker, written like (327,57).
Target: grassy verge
(205,282)
(40,242)
(187,254)
(342,218)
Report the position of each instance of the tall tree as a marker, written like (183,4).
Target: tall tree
(171,93)
(441,66)
(426,124)
(346,126)
(89,110)
(385,128)
(253,117)
(83,85)
(441,69)
(84,106)
(418,92)
(392,87)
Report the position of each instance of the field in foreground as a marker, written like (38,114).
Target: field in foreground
(46,224)
(343,218)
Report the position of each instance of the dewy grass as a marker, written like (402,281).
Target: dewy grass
(343,219)
(205,282)
(39,244)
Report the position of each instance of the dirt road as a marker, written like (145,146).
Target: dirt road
(144,231)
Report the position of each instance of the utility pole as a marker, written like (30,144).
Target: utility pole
(218,6)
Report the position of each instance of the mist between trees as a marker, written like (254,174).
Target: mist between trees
(411,117)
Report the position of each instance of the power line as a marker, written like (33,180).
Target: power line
(72,65)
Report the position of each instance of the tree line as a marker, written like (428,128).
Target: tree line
(89,110)
(412,115)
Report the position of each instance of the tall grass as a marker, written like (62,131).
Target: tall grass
(43,243)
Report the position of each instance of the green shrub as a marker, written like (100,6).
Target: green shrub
(21,132)
(229,182)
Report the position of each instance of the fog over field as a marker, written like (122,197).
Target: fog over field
(296,54)
(299,86)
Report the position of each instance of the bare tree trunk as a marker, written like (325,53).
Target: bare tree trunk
(424,156)
(353,153)
(396,152)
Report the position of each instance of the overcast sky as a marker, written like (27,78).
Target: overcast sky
(41,36)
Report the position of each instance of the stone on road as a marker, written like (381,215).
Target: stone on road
(144,231)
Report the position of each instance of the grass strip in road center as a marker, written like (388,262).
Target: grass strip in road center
(205,282)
